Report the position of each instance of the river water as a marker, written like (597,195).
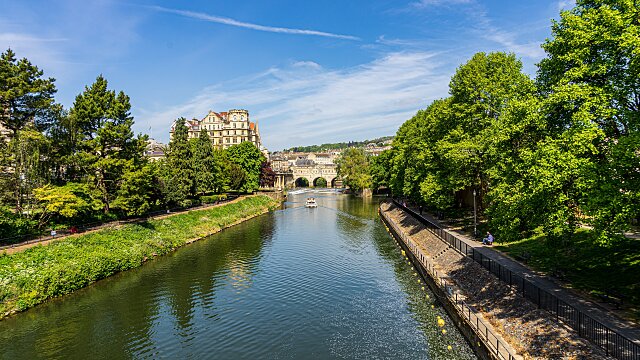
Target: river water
(298,283)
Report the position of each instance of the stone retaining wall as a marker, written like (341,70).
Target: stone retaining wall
(528,330)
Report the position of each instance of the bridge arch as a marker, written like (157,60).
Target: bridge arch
(320,182)
(301,182)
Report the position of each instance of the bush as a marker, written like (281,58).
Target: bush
(212,199)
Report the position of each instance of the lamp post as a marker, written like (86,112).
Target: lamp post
(475,217)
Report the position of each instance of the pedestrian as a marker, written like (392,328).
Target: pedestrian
(488,240)
(53,233)
(420,207)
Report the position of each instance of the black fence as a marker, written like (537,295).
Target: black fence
(20,240)
(613,343)
(482,330)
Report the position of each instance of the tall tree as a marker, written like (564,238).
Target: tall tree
(106,144)
(267,175)
(177,170)
(590,81)
(250,159)
(204,164)
(353,168)
(25,97)
(26,108)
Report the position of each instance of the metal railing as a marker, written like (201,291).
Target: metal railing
(479,326)
(21,240)
(612,342)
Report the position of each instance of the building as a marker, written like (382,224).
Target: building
(225,128)
(155,150)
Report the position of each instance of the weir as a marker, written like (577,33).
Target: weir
(479,333)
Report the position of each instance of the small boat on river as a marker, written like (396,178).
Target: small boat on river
(311,203)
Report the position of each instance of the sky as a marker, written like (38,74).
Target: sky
(309,72)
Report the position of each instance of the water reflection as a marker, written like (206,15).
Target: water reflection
(298,283)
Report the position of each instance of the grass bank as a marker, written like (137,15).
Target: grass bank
(586,265)
(42,272)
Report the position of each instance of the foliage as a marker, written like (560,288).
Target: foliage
(212,199)
(25,97)
(320,182)
(339,146)
(177,172)
(105,142)
(353,168)
(39,273)
(379,168)
(250,159)
(267,175)
(204,164)
(138,194)
(68,201)
(237,177)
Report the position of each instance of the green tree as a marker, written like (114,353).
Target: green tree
(177,170)
(590,83)
(380,167)
(69,201)
(250,159)
(25,97)
(26,109)
(137,194)
(353,168)
(237,176)
(204,164)
(106,144)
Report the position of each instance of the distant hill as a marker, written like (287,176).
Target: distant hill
(339,146)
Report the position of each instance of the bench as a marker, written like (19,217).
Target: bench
(612,297)
(523,256)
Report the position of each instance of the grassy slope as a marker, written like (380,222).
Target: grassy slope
(31,277)
(586,265)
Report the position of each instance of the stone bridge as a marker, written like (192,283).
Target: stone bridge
(312,173)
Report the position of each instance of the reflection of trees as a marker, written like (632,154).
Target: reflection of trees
(116,317)
(231,255)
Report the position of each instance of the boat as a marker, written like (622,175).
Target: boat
(311,203)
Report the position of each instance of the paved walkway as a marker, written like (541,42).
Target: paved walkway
(624,327)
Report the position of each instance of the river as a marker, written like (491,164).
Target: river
(297,283)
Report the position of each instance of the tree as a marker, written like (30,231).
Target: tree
(177,170)
(250,159)
(353,168)
(204,164)
(590,83)
(267,175)
(26,108)
(106,144)
(237,176)
(137,194)
(380,167)
(68,201)
(25,97)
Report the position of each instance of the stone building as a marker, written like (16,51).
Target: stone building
(225,128)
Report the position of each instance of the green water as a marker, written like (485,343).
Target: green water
(324,283)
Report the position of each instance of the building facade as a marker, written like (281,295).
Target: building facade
(225,128)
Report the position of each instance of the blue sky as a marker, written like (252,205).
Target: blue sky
(308,72)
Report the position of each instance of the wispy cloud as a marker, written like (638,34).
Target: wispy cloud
(429,3)
(246,25)
(566,4)
(305,103)
(12,38)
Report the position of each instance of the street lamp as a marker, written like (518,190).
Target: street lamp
(475,217)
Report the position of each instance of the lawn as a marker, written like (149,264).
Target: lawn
(587,265)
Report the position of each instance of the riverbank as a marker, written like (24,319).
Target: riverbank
(31,277)
(533,332)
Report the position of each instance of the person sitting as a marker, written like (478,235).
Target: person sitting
(488,240)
